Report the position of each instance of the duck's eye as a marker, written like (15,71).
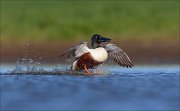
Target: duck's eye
(98,40)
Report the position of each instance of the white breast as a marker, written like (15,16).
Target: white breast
(99,54)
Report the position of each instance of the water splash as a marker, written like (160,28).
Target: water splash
(27,65)
(30,61)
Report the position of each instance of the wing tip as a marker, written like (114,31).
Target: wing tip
(62,55)
(130,65)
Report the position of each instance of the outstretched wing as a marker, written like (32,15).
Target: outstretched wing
(75,52)
(118,55)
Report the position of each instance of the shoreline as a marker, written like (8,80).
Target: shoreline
(140,51)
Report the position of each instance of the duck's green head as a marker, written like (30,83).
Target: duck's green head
(97,39)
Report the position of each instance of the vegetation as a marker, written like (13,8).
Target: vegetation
(69,20)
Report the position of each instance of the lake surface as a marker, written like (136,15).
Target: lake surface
(139,88)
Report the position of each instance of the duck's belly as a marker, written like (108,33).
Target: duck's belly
(88,61)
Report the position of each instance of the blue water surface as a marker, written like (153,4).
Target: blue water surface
(140,88)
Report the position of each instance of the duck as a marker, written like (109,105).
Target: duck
(84,58)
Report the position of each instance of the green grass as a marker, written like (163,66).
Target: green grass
(39,20)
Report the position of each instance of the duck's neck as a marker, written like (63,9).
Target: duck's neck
(95,45)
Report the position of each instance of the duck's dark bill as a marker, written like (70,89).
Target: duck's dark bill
(104,39)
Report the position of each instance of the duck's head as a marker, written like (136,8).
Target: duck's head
(97,39)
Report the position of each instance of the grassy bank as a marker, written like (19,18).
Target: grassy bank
(24,20)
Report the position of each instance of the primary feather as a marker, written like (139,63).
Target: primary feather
(118,55)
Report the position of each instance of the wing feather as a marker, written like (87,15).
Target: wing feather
(118,55)
(75,52)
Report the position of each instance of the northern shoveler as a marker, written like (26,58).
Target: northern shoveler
(85,58)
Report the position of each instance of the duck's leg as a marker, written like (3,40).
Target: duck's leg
(85,68)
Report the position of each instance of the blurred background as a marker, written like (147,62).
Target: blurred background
(148,31)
